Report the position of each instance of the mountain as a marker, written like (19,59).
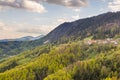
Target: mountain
(99,27)
(26,38)
(10,47)
(74,60)
(103,26)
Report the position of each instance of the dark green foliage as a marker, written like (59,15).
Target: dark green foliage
(100,68)
(23,58)
(12,48)
(99,27)
(73,60)
(70,61)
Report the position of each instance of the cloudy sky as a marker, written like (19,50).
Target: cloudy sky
(20,18)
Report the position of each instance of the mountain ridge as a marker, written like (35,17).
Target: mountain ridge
(25,38)
(80,27)
(103,26)
(72,58)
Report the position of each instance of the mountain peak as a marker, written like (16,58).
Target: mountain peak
(86,27)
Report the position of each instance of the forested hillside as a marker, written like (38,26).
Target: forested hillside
(98,27)
(12,48)
(86,49)
(71,61)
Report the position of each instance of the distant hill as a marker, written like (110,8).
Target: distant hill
(96,59)
(26,38)
(15,46)
(97,27)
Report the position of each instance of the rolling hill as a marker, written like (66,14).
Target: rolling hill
(71,61)
(26,38)
(63,54)
(103,26)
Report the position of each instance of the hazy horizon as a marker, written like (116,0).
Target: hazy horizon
(19,18)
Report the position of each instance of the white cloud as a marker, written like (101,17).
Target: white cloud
(76,10)
(67,3)
(33,6)
(9,31)
(4,27)
(76,17)
(22,4)
(61,20)
(36,5)
(114,5)
(42,29)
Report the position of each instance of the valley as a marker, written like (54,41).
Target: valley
(85,49)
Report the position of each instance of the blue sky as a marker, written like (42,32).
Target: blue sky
(20,18)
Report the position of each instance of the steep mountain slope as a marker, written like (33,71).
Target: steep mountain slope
(102,26)
(69,61)
(98,27)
